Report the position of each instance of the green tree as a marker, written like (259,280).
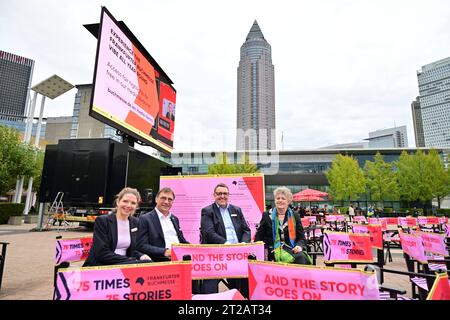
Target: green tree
(223,167)
(415,177)
(406,177)
(16,159)
(37,170)
(346,178)
(381,180)
(8,138)
(245,166)
(439,178)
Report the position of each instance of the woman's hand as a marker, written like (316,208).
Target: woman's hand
(297,249)
(145,257)
(167,253)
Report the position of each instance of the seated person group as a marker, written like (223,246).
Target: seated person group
(121,238)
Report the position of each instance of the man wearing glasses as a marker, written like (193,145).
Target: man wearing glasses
(223,223)
(158,229)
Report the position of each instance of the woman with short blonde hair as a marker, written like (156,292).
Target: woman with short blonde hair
(284,191)
(282,231)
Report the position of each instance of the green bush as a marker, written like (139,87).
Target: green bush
(443,212)
(344,210)
(10,209)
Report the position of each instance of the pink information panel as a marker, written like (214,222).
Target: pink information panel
(192,193)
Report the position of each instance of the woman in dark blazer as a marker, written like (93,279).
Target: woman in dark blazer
(293,240)
(115,235)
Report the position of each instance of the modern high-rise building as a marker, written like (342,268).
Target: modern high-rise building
(434,99)
(389,138)
(57,128)
(15,81)
(83,125)
(255,94)
(418,124)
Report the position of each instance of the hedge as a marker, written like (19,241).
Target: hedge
(10,209)
(344,210)
(443,212)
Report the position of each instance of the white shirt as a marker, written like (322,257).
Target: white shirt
(170,234)
(229,226)
(123,237)
(351,211)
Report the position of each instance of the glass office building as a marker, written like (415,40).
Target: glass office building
(15,81)
(296,169)
(434,99)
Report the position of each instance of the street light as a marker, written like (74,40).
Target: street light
(51,88)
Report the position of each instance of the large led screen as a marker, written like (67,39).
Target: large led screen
(128,92)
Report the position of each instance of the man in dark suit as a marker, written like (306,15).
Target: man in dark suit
(223,223)
(158,229)
(171,113)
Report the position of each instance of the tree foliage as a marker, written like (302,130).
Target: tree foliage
(16,159)
(439,177)
(422,177)
(346,178)
(381,179)
(223,167)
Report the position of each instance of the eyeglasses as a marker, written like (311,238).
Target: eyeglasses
(166,199)
(219,194)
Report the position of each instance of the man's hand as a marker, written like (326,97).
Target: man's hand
(145,257)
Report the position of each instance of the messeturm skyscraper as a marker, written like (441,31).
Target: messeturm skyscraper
(255,94)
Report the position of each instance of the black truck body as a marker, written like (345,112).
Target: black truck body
(90,172)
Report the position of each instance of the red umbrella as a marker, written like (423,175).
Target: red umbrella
(311,192)
(309,198)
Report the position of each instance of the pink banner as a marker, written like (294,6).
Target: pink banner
(305,222)
(381,221)
(347,247)
(359,219)
(374,231)
(391,235)
(434,243)
(391,221)
(440,289)
(192,193)
(70,250)
(274,281)
(422,220)
(316,233)
(218,261)
(413,246)
(443,220)
(407,222)
(333,218)
(312,219)
(153,281)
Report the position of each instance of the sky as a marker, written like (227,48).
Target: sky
(342,68)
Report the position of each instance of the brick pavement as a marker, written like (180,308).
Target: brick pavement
(28,273)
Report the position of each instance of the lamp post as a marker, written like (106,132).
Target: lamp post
(51,88)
